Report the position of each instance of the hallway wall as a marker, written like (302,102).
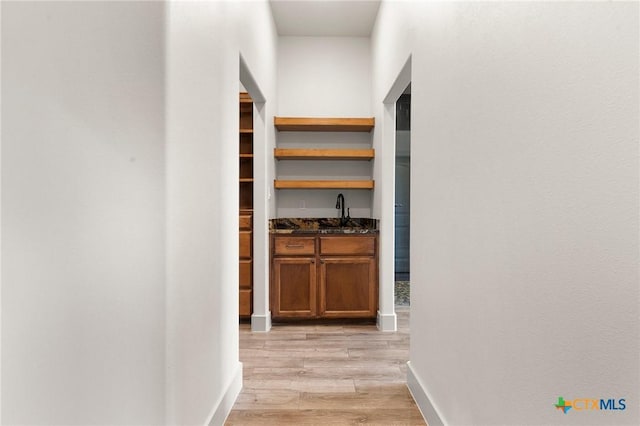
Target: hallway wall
(119,207)
(202,200)
(204,41)
(83,213)
(524,244)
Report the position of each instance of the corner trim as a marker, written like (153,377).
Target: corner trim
(223,406)
(387,322)
(421,397)
(261,323)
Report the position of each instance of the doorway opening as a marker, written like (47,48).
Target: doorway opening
(253,196)
(387,315)
(402,198)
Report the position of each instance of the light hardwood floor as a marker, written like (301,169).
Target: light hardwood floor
(325,374)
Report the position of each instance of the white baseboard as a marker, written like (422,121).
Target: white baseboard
(387,322)
(422,399)
(261,323)
(223,406)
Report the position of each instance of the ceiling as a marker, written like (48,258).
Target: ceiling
(340,18)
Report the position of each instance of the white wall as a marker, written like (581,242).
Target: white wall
(323,77)
(204,41)
(525,222)
(94,331)
(82,213)
(202,200)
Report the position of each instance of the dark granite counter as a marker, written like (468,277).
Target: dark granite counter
(323,226)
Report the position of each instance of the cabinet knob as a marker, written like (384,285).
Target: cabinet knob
(313,261)
(322,261)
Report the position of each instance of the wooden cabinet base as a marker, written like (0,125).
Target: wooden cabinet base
(324,277)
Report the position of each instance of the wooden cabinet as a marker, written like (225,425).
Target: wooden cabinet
(347,269)
(324,276)
(294,287)
(246,205)
(246,264)
(346,287)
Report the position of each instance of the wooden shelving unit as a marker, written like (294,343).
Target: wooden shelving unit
(323,184)
(314,124)
(246,206)
(323,154)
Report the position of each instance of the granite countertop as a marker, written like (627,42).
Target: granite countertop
(323,226)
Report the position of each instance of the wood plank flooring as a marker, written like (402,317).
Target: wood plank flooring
(325,375)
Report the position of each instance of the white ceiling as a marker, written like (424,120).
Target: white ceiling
(345,18)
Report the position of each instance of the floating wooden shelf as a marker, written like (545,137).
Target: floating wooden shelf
(245,98)
(246,180)
(246,155)
(308,124)
(323,184)
(246,130)
(323,154)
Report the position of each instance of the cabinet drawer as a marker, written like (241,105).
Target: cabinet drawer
(348,245)
(245,243)
(245,221)
(294,245)
(245,302)
(246,267)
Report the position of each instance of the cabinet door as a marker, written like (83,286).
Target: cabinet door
(294,288)
(348,287)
